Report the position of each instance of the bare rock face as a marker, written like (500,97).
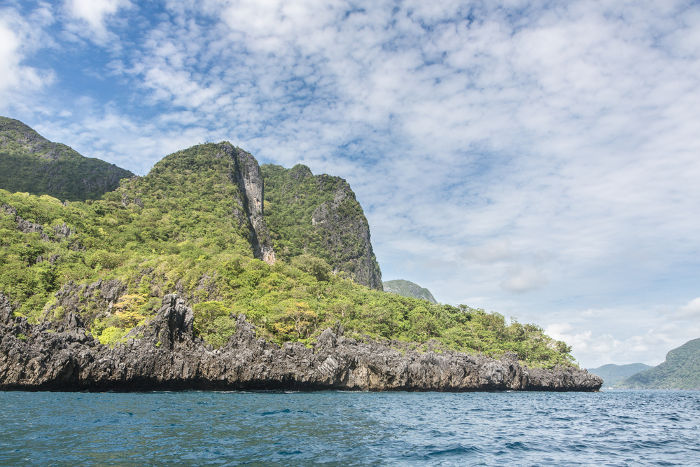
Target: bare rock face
(166,355)
(250,183)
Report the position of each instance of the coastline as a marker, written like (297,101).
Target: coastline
(165,355)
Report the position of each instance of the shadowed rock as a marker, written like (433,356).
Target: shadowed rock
(165,355)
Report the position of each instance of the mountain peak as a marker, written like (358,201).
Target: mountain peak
(681,370)
(408,289)
(31,163)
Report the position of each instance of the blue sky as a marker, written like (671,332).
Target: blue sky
(539,159)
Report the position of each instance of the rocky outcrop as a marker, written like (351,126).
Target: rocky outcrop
(60,232)
(250,183)
(90,301)
(329,222)
(335,227)
(165,355)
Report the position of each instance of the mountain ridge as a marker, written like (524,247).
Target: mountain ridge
(680,370)
(197,226)
(407,288)
(613,374)
(31,163)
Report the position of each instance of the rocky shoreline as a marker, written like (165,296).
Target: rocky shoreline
(165,355)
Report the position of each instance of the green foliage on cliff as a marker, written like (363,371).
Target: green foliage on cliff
(408,289)
(319,216)
(32,164)
(681,370)
(181,228)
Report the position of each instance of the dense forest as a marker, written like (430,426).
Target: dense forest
(183,228)
(32,164)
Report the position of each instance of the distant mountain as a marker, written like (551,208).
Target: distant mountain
(613,374)
(408,289)
(31,163)
(681,370)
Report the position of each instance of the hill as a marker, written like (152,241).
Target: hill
(681,370)
(613,374)
(319,215)
(197,225)
(30,163)
(408,289)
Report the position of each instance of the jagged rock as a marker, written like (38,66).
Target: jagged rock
(165,355)
(173,323)
(86,300)
(250,183)
(6,310)
(61,232)
(7,209)
(25,226)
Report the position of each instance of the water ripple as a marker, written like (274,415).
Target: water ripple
(331,428)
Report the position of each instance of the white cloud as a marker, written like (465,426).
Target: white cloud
(523,279)
(691,309)
(625,334)
(94,14)
(19,37)
(531,159)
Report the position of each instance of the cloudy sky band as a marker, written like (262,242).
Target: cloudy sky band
(539,159)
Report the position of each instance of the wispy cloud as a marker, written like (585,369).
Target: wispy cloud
(19,38)
(90,17)
(528,157)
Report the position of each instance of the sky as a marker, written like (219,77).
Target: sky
(540,159)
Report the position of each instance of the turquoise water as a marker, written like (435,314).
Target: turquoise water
(332,428)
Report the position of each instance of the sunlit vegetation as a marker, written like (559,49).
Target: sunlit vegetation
(179,230)
(315,215)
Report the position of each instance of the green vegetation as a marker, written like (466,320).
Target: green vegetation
(319,216)
(29,163)
(181,228)
(408,289)
(681,370)
(613,375)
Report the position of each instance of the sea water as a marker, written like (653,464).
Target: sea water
(350,428)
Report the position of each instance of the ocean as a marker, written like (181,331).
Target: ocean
(350,428)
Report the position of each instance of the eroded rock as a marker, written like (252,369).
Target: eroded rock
(165,354)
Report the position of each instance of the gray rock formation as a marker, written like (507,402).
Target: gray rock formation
(329,222)
(165,355)
(250,182)
(60,232)
(334,225)
(90,301)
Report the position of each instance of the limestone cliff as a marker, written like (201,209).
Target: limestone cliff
(319,215)
(250,182)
